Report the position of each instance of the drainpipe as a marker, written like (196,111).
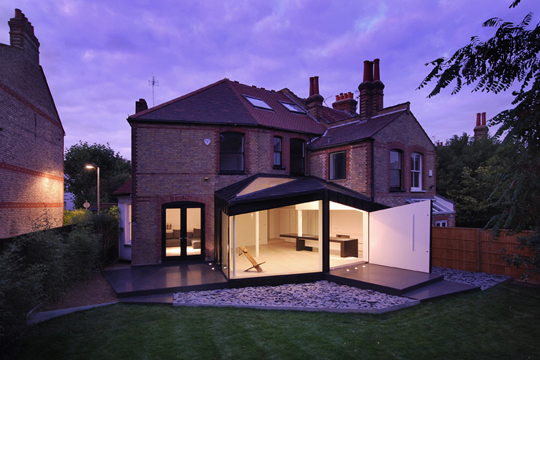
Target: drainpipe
(372,172)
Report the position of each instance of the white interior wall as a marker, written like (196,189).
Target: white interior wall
(349,222)
(246,232)
(400,237)
(172,216)
(193,219)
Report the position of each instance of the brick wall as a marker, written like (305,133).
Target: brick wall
(407,135)
(358,170)
(31,146)
(172,163)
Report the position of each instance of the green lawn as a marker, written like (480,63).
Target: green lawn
(500,323)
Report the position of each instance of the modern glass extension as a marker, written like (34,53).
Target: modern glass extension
(290,237)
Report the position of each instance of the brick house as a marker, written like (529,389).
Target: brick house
(31,137)
(231,167)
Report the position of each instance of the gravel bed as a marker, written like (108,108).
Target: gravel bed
(324,295)
(483,280)
(318,295)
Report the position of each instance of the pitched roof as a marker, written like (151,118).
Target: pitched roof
(125,189)
(225,102)
(298,190)
(354,130)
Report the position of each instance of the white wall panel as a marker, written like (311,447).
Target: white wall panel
(400,237)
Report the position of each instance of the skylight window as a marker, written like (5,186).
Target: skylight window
(293,108)
(258,103)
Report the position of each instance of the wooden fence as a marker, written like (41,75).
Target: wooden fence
(473,250)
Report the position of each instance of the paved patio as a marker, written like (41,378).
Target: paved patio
(157,283)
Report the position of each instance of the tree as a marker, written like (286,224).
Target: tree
(114,171)
(510,57)
(464,175)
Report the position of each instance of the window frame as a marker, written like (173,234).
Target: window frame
(128,221)
(302,158)
(278,153)
(331,165)
(416,172)
(242,152)
(394,188)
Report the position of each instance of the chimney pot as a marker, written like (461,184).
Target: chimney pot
(337,98)
(311,84)
(368,70)
(484,119)
(316,85)
(478,119)
(376,74)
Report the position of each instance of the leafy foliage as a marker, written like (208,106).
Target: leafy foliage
(468,171)
(39,267)
(82,183)
(509,58)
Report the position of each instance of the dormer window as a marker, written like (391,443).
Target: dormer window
(292,107)
(258,102)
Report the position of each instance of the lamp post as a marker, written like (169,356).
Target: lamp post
(94,166)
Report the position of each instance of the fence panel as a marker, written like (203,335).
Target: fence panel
(473,250)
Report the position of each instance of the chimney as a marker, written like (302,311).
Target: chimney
(315,100)
(21,33)
(481,129)
(140,105)
(346,102)
(371,90)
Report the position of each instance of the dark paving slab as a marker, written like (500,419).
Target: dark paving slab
(164,278)
(383,279)
(153,299)
(440,290)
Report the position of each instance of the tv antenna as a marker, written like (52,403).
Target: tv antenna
(153,82)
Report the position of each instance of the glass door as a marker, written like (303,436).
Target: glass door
(182,231)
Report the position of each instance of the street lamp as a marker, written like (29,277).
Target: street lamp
(93,166)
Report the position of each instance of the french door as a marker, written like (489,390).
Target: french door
(182,230)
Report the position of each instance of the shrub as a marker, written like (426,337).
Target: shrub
(82,249)
(20,291)
(77,216)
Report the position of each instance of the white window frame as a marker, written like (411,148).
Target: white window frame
(127,227)
(415,171)
(442,223)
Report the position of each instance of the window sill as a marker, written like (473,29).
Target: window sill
(396,190)
(127,245)
(337,179)
(418,191)
(279,168)
(232,173)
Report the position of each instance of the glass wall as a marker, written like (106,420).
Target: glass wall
(279,241)
(348,235)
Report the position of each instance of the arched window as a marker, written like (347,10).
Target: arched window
(231,152)
(416,172)
(396,170)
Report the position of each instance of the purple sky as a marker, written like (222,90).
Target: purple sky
(99,55)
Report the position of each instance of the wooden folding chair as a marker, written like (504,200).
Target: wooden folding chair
(251,259)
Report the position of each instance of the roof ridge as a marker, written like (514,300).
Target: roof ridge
(182,97)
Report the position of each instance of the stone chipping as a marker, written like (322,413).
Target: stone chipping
(483,280)
(317,295)
(321,295)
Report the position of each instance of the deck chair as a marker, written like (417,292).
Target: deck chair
(251,259)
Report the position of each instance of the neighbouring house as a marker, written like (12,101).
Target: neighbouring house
(243,175)
(123,194)
(31,137)
(69,201)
